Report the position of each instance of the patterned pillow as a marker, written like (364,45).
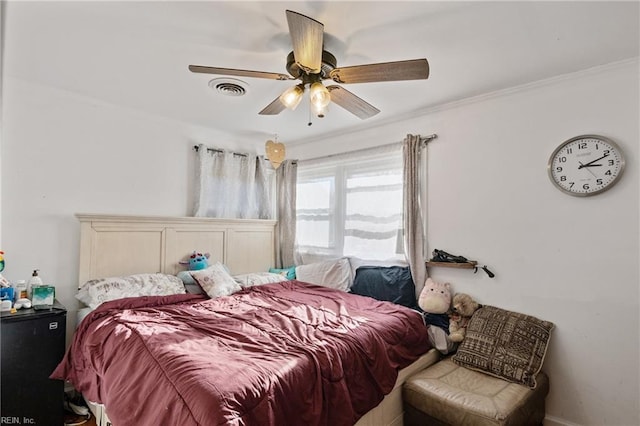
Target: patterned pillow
(505,344)
(95,292)
(258,278)
(216,281)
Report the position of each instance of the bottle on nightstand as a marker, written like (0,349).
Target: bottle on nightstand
(34,281)
(21,291)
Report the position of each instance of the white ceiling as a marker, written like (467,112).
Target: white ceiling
(135,55)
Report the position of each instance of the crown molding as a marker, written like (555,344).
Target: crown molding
(421,112)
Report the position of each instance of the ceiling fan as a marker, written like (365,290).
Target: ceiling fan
(311,64)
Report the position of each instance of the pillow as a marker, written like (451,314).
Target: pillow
(390,283)
(505,344)
(289,273)
(258,278)
(216,281)
(357,262)
(330,273)
(186,278)
(190,285)
(95,292)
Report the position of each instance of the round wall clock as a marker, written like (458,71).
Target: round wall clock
(586,165)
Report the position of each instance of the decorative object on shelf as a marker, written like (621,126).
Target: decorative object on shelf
(586,165)
(275,152)
(442,258)
(43,297)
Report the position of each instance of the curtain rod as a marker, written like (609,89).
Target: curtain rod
(426,139)
(197,148)
(423,139)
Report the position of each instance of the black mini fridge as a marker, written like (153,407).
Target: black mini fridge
(32,345)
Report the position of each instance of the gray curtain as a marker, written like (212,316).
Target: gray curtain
(414,239)
(232,185)
(286,179)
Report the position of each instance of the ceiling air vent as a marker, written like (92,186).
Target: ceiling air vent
(229,86)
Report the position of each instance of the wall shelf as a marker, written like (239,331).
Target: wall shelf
(466,265)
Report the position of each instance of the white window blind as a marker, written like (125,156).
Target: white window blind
(351,205)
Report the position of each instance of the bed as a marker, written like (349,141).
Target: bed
(281,353)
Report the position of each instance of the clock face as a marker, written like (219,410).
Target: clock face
(586,165)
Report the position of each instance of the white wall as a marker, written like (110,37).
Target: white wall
(573,261)
(64,154)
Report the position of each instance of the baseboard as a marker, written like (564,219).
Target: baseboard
(556,421)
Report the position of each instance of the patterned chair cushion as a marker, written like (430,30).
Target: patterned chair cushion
(505,344)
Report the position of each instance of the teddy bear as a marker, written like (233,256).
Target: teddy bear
(435,301)
(462,308)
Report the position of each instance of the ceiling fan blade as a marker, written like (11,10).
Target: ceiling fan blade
(415,69)
(274,108)
(240,73)
(307,37)
(351,102)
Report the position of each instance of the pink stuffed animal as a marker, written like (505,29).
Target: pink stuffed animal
(435,298)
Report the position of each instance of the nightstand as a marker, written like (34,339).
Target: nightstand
(32,345)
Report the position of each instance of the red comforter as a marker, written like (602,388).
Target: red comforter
(289,353)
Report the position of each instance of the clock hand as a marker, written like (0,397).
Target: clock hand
(590,165)
(592,161)
(585,165)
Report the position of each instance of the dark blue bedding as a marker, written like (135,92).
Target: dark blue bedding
(386,283)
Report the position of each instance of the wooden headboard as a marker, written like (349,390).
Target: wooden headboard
(112,245)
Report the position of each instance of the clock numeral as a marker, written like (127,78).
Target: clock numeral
(608,173)
(563,178)
(582,145)
(606,152)
(562,159)
(558,169)
(599,181)
(597,147)
(571,184)
(569,150)
(611,162)
(585,186)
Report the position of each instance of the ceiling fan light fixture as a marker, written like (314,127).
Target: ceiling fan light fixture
(292,96)
(319,95)
(311,64)
(319,110)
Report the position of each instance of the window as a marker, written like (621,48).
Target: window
(351,207)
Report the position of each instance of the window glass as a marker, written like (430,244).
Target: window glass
(351,208)
(314,213)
